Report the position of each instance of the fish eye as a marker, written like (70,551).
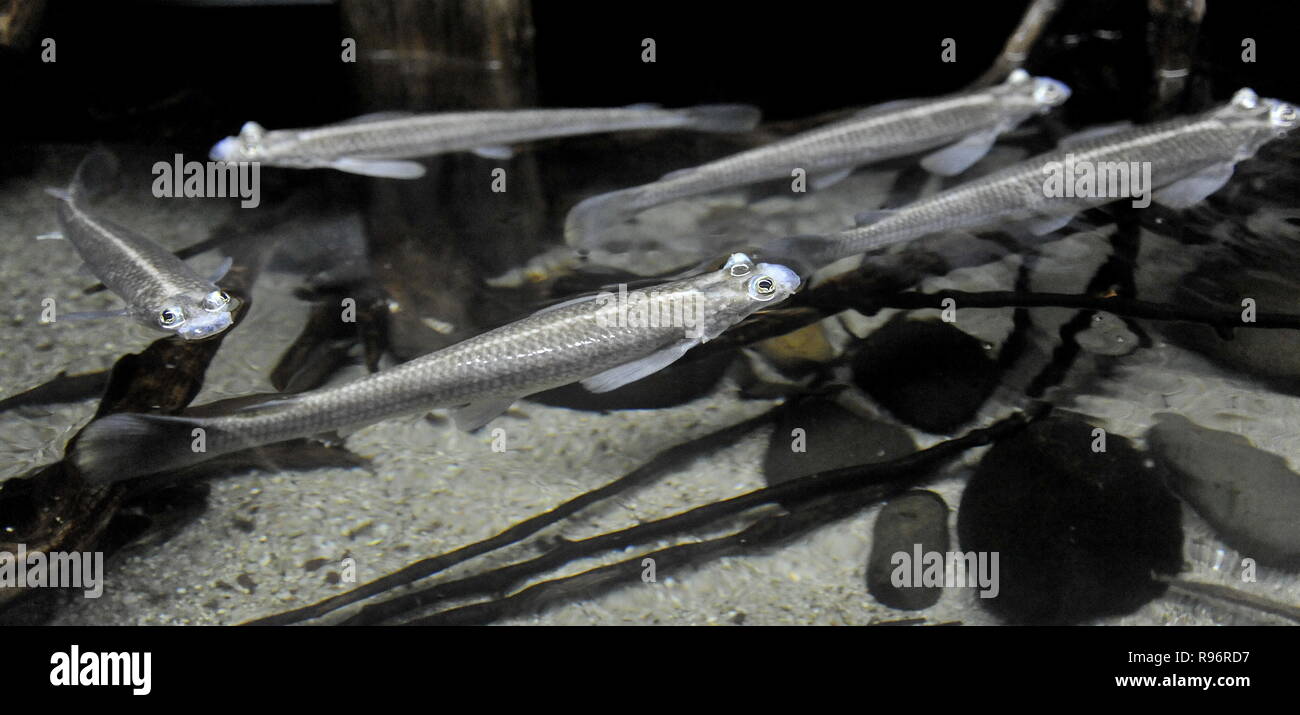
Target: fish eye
(740,269)
(1245,98)
(170,317)
(762,287)
(216,300)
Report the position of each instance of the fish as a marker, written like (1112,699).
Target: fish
(966,124)
(1186,159)
(161,292)
(381,144)
(593,339)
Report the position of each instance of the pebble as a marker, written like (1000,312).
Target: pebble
(1078,532)
(915,519)
(832,437)
(927,373)
(1250,497)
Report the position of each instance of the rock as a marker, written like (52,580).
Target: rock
(1250,497)
(927,373)
(832,437)
(915,521)
(1273,355)
(1078,533)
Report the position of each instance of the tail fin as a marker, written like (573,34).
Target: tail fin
(96,176)
(724,118)
(126,445)
(593,216)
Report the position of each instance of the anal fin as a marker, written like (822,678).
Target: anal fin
(956,158)
(477,414)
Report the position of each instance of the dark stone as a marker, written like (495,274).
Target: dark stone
(1078,533)
(927,373)
(1273,355)
(833,437)
(917,519)
(1250,497)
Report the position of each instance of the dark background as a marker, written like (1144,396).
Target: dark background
(186,73)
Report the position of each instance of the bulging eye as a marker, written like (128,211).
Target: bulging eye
(216,300)
(170,317)
(740,269)
(1245,98)
(762,287)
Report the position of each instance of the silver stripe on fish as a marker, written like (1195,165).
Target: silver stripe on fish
(605,341)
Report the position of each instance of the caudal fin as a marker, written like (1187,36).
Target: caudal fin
(96,176)
(592,217)
(722,117)
(125,445)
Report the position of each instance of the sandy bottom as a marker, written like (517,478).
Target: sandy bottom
(270,542)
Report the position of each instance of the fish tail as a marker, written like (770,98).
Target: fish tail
(96,176)
(722,117)
(125,445)
(594,215)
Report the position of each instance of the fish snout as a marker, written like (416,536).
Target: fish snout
(1049,93)
(225,150)
(1282,115)
(773,281)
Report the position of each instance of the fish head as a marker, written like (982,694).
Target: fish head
(1024,93)
(741,287)
(248,146)
(1260,119)
(196,319)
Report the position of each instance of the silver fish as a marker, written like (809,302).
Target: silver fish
(966,124)
(606,341)
(378,144)
(160,291)
(1186,160)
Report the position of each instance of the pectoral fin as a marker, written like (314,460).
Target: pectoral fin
(1192,190)
(822,181)
(954,159)
(617,377)
(222,269)
(494,152)
(384,168)
(477,414)
(1046,224)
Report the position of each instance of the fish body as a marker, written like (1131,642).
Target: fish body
(1188,159)
(591,339)
(967,123)
(160,291)
(379,144)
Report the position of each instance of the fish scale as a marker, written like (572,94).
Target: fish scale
(1176,149)
(882,132)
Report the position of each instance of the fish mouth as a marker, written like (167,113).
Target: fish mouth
(201,330)
(1050,92)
